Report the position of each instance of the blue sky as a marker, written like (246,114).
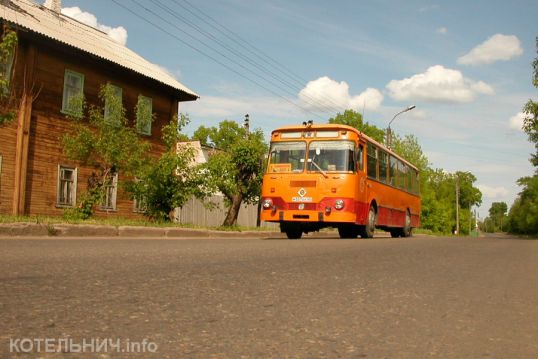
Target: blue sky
(466,65)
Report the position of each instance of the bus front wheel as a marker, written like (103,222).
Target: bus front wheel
(292,231)
(369,228)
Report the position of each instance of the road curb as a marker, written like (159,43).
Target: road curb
(104,231)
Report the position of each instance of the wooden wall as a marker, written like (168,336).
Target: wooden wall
(48,123)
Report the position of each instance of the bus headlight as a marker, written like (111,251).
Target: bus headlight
(339,204)
(267,203)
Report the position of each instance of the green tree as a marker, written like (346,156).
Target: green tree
(530,124)
(235,168)
(107,144)
(170,181)
(354,119)
(523,216)
(497,219)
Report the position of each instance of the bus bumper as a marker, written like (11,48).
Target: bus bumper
(330,215)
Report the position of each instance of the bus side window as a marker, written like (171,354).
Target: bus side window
(372,159)
(360,158)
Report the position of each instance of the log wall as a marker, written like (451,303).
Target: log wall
(48,124)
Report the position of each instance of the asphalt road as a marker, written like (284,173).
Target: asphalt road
(255,298)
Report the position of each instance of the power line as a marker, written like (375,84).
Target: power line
(237,39)
(208,55)
(266,74)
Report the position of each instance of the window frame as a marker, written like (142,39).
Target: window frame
(276,159)
(104,206)
(7,69)
(144,131)
(66,109)
(60,187)
(107,115)
(360,157)
(371,148)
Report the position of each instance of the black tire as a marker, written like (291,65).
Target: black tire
(407,231)
(348,231)
(292,230)
(294,233)
(368,230)
(395,232)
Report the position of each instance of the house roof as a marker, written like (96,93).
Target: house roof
(61,28)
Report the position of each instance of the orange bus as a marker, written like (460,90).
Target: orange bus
(332,175)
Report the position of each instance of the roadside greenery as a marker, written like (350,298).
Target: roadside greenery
(235,166)
(168,183)
(106,141)
(523,215)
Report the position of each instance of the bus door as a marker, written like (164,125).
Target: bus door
(362,187)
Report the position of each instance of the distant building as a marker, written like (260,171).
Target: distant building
(58,57)
(201,152)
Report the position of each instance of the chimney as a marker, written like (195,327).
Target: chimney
(54,5)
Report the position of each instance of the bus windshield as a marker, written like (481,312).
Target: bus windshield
(331,156)
(287,157)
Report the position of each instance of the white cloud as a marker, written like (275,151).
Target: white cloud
(493,192)
(118,34)
(516,121)
(438,84)
(442,30)
(326,93)
(499,47)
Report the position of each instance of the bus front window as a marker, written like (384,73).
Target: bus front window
(287,157)
(331,156)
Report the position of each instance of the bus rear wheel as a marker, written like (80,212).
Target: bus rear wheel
(368,230)
(407,231)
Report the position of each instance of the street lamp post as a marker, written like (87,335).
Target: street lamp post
(389,131)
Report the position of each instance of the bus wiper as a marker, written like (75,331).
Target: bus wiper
(319,168)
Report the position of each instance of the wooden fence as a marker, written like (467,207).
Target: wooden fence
(194,212)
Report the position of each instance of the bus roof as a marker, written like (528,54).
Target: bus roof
(336,126)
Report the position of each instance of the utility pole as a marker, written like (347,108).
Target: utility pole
(470,218)
(457,205)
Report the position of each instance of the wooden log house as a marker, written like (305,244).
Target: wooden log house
(58,57)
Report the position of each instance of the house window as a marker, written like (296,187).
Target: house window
(73,93)
(67,186)
(144,115)
(139,200)
(139,205)
(110,193)
(6,67)
(113,104)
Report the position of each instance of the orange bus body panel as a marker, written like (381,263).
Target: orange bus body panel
(311,196)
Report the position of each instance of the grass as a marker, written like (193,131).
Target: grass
(119,221)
